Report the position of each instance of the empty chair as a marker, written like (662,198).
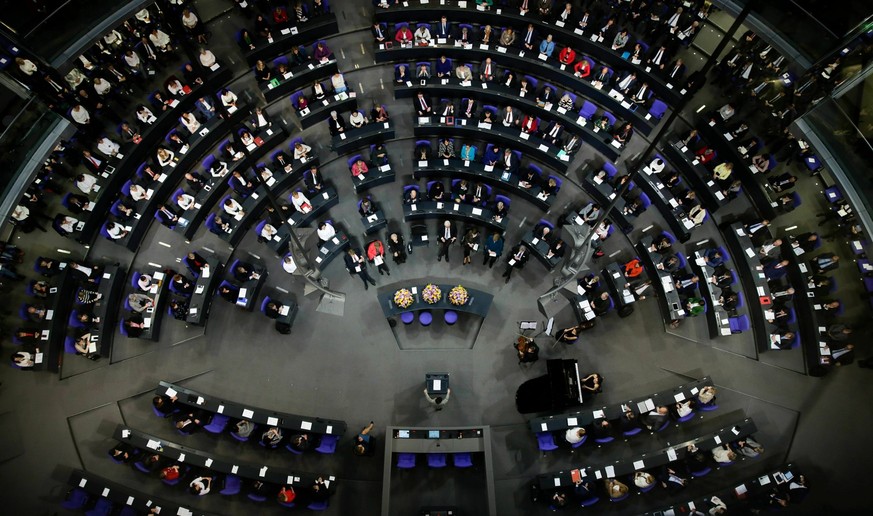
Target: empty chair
(328,444)
(451,317)
(739,324)
(218,424)
(232,485)
(588,110)
(462,460)
(77,499)
(405,460)
(701,473)
(546,441)
(610,169)
(318,506)
(436,460)
(425,318)
(658,109)
(407,317)
(70,345)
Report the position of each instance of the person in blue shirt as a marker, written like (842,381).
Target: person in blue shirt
(547,46)
(492,156)
(443,67)
(363,442)
(493,249)
(713,257)
(468,152)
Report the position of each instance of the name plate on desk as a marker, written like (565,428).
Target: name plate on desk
(477,211)
(615,144)
(439,205)
(543,147)
(342,136)
(524,136)
(456,207)
(502,50)
(484,125)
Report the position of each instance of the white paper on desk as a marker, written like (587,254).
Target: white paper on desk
(477,211)
(285,32)
(234,469)
(439,205)
(263,472)
(750,252)
(199,289)
(456,207)
(272,421)
(200,400)
(247,413)
(679,396)
(147,322)
(524,136)
(38,358)
(598,475)
(207,462)
(378,260)
(597,414)
(92,347)
(105,492)
(610,471)
(181,457)
(543,148)
(511,262)
(671,454)
(414,208)
(152,444)
(342,136)
(305,425)
(760,291)
(717,439)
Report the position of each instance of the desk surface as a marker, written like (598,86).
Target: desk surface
(111,285)
(627,466)
(352,139)
(325,252)
(668,300)
(603,193)
(202,459)
(316,28)
(502,96)
(51,346)
(298,77)
(540,250)
(450,210)
(666,203)
(494,133)
(256,415)
(617,284)
(478,171)
(204,290)
(373,178)
(809,320)
(697,176)
(160,292)
(716,315)
(479,302)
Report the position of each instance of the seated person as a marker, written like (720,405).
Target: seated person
(325,231)
(272,437)
(182,285)
(245,271)
(188,422)
(410,196)
(437,192)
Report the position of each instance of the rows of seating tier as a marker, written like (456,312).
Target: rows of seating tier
(491,176)
(755,491)
(618,286)
(478,303)
(100,496)
(160,190)
(598,184)
(546,428)
(318,110)
(450,210)
(664,199)
(225,471)
(118,171)
(224,411)
(712,195)
(320,202)
(498,136)
(254,201)
(295,76)
(598,53)
(46,349)
(266,48)
(808,308)
(243,289)
(712,133)
(738,239)
(571,120)
(213,186)
(669,302)
(378,171)
(158,290)
(653,459)
(206,282)
(540,247)
(356,138)
(721,321)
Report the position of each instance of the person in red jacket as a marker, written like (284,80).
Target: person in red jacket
(403,36)
(280,16)
(582,68)
(374,250)
(286,495)
(567,56)
(633,268)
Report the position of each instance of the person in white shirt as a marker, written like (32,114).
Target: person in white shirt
(86,182)
(74,78)
(190,122)
(268,231)
(574,435)
(288,264)
(116,231)
(102,86)
(218,169)
(326,231)
(228,98)
(189,19)
(200,486)
(683,408)
(165,156)
(657,166)
(301,151)
(145,115)
(132,59)
(300,202)
(234,208)
(80,115)
(108,147)
(722,454)
(160,40)
(68,224)
(357,120)
(338,83)
(144,16)
(175,88)
(422,35)
(138,193)
(26,66)
(266,175)
(113,39)
(207,58)
(185,201)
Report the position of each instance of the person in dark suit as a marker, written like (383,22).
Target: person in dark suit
(195,263)
(335,124)
(843,355)
(240,184)
(380,34)
(245,271)
(229,293)
(357,264)
(675,71)
(487,70)
(314,181)
(517,257)
(282,162)
(468,108)
(422,105)
(443,28)
(437,191)
(166,215)
(447,236)
(182,285)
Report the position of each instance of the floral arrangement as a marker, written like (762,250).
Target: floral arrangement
(459,296)
(431,294)
(403,298)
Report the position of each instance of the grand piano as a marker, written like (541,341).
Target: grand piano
(558,390)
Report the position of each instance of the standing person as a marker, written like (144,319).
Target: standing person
(376,254)
(470,243)
(448,235)
(363,441)
(517,258)
(396,248)
(493,249)
(437,401)
(356,264)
